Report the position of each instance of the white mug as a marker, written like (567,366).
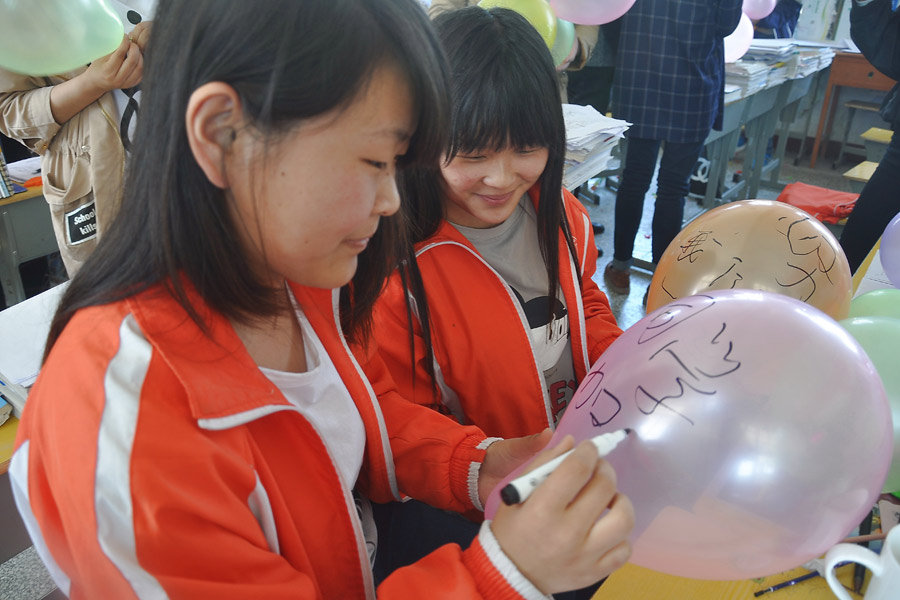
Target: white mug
(885,582)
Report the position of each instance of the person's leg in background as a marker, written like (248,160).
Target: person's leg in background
(591,86)
(640,162)
(675,168)
(878,203)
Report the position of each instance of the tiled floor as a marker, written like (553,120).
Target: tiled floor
(24,578)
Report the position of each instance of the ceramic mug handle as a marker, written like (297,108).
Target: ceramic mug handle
(849,553)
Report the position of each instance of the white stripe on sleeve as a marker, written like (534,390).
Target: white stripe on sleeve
(112,493)
(18,476)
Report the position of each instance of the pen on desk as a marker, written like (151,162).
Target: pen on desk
(794,581)
(520,488)
(787,583)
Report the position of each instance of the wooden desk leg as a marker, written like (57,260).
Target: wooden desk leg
(826,103)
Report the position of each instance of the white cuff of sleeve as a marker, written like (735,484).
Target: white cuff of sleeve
(505,566)
(475,471)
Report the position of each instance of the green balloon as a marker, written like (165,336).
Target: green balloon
(877,303)
(537,12)
(880,338)
(49,37)
(565,41)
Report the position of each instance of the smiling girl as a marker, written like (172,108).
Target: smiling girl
(503,318)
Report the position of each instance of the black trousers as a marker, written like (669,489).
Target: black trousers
(407,531)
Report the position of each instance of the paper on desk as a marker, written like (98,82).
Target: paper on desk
(5,410)
(23,331)
(585,126)
(851,46)
(25,169)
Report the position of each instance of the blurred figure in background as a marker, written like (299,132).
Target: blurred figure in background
(875,28)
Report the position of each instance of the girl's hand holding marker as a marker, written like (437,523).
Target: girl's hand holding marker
(567,520)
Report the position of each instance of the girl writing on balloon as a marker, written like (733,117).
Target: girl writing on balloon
(503,318)
(201,427)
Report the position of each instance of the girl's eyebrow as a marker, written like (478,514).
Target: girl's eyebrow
(400,134)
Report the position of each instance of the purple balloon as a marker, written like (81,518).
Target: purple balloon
(890,251)
(762,433)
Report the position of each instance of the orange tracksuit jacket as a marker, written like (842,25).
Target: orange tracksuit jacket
(485,368)
(153,461)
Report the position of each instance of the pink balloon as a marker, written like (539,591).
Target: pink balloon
(758,9)
(762,433)
(590,12)
(738,42)
(889,251)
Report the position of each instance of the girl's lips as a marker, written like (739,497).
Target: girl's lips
(497,199)
(358,243)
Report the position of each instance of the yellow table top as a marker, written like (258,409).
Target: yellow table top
(877,134)
(862,172)
(7,439)
(636,583)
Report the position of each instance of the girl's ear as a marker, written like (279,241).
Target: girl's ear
(213,117)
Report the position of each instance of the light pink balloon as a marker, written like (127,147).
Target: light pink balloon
(762,433)
(758,9)
(738,42)
(590,12)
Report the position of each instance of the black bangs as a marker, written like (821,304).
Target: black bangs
(418,54)
(492,110)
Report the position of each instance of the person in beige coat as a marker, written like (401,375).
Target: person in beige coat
(585,38)
(71,121)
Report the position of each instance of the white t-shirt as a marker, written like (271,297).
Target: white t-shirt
(319,394)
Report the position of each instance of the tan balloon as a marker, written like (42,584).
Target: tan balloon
(759,245)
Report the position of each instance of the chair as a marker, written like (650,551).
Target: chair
(852,106)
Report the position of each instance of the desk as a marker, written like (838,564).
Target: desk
(760,114)
(26,233)
(7,439)
(847,70)
(637,583)
(860,174)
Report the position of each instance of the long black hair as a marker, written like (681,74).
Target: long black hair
(504,94)
(288,61)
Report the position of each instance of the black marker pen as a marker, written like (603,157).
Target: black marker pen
(520,488)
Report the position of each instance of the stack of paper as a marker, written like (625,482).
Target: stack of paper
(820,53)
(733,92)
(807,62)
(770,51)
(12,399)
(23,170)
(778,74)
(750,75)
(6,185)
(23,329)
(590,139)
(5,410)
